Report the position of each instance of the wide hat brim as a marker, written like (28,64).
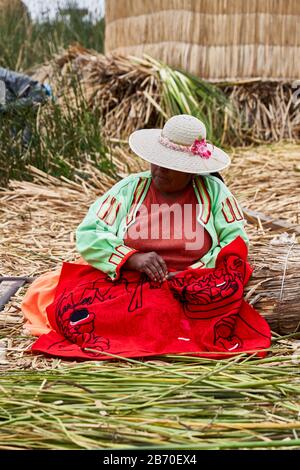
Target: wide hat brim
(145,143)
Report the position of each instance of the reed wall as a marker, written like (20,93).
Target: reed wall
(215,39)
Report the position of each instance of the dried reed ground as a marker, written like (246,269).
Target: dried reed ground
(251,409)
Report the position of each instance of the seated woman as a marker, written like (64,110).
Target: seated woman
(175,217)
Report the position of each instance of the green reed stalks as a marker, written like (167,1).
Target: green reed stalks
(63,138)
(174,404)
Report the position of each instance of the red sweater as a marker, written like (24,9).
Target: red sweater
(169,228)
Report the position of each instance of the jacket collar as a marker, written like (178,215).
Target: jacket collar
(142,187)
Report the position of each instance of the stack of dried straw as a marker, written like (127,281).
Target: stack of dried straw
(134,92)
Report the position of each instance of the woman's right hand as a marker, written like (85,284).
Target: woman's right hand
(150,263)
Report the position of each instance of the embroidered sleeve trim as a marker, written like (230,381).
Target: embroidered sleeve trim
(108,210)
(237,211)
(104,207)
(136,198)
(205,200)
(120,256)
(231,210)
(124,259)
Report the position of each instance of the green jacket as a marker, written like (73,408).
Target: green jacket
(99,237)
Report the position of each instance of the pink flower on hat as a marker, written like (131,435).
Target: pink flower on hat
(199,147)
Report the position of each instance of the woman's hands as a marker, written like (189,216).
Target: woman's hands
(150,263)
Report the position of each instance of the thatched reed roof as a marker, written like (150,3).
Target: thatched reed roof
(214,39)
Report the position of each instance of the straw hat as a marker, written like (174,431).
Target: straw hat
(181,145)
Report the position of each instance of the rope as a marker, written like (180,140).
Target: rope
(284,271)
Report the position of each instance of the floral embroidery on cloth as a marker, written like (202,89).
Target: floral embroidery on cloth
(198,311)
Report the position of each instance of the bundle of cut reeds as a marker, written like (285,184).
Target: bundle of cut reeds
(133,92)
(170,402)
(269,111)
(274,287)
(139,92)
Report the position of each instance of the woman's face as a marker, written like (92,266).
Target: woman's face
(169,181)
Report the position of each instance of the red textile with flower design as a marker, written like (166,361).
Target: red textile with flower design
(197,312)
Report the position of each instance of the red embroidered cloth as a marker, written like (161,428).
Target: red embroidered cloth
(198,312)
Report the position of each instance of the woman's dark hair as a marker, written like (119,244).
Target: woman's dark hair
(217,175)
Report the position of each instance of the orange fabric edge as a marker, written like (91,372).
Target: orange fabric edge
(39,295)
